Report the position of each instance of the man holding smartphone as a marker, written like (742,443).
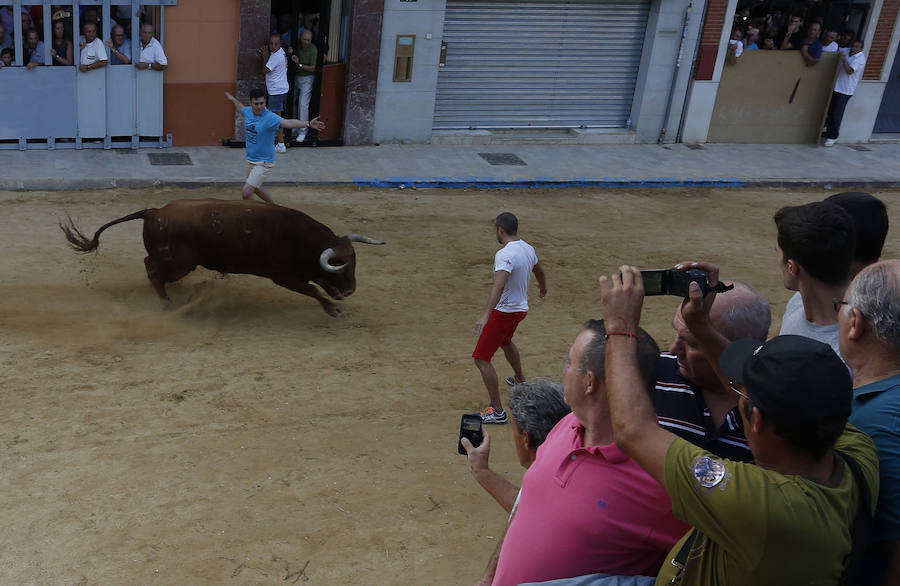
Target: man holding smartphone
(507,306)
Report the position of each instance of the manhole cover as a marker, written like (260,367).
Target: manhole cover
(695,147)
(502,159)
(169,159)
(859,147)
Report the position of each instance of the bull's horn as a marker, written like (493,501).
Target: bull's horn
(364,239)
(326,256)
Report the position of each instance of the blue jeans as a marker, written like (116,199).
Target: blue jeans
(599,580)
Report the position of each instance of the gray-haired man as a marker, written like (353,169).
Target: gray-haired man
(536,406)
(869,322)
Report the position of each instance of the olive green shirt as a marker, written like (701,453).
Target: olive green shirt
(758,527)
(307,56)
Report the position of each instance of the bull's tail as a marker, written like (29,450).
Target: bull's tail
(81,243)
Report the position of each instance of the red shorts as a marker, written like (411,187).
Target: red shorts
(498,331)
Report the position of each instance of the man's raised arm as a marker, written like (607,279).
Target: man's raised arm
(237,104)
(633,419)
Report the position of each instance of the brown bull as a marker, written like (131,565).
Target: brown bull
(246,237)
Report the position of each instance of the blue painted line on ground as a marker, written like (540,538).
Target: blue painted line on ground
(543,182)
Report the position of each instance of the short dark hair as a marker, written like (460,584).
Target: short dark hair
(8,50)
(257,93)
(509,223)
(821,237)
(536,405)
(594,358)
(870,218)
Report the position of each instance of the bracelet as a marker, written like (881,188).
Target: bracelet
(629,334)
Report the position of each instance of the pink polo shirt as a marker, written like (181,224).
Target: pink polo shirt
(586,510)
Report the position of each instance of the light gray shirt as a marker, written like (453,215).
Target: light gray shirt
(795,322)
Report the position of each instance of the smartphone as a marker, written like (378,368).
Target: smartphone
(470,427)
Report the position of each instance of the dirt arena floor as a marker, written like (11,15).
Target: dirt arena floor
(246,437)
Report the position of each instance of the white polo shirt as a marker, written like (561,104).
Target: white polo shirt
(153,53)
(93,52)
(276,79)
(846,82)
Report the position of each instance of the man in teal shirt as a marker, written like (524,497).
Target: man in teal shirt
(869,321)
(260,125)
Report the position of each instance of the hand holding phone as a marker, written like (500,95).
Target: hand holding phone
(470,428)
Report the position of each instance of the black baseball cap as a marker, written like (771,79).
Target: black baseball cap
(792,379)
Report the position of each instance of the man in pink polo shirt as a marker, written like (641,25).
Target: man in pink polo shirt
(585,506)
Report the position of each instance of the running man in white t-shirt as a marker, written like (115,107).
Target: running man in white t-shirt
(506,307)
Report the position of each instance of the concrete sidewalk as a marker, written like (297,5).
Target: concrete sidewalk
(875,165)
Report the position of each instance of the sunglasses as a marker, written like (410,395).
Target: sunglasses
(838,303)
(731,385)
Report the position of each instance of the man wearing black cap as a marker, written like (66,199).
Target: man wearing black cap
(784,520)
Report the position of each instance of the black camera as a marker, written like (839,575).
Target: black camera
(470,427)
(675,282)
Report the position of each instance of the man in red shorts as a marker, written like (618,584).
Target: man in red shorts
(506,307)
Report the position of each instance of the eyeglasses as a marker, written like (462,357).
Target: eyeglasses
(731,386)
(837,303)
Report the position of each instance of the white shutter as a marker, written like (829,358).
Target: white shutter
(564,63)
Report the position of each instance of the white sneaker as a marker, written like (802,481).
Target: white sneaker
(829,142)
(280,148)
(301,136)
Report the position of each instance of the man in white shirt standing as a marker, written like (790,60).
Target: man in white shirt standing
(93,51)
(849,73)
(506,307)
(276,82)
(152,55)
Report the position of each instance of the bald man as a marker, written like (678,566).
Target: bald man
(689,399)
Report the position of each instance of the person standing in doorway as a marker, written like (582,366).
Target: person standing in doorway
(305,60)
(275,69)
(506,307)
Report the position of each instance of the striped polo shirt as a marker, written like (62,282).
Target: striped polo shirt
(680,408)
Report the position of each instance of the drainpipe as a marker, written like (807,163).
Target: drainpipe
(693,69)
(671,96)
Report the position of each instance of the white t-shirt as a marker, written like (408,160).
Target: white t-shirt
(276,79)
(739,47)
(846,82)
(153,53)
(795,322)
(831,47)
(518,259)
(93,52)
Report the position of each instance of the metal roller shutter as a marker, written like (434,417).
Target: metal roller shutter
(539,63)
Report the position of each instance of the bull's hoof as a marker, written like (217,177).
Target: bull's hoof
(335,312)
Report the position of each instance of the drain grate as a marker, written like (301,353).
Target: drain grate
(503,159)
(858,147)
(695,147)
(169,159)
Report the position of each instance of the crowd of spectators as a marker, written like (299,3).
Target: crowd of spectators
(95,53)
(734,457)
(778,30)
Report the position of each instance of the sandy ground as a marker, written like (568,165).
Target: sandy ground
(246,437)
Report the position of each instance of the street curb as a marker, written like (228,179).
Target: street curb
(455,183)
